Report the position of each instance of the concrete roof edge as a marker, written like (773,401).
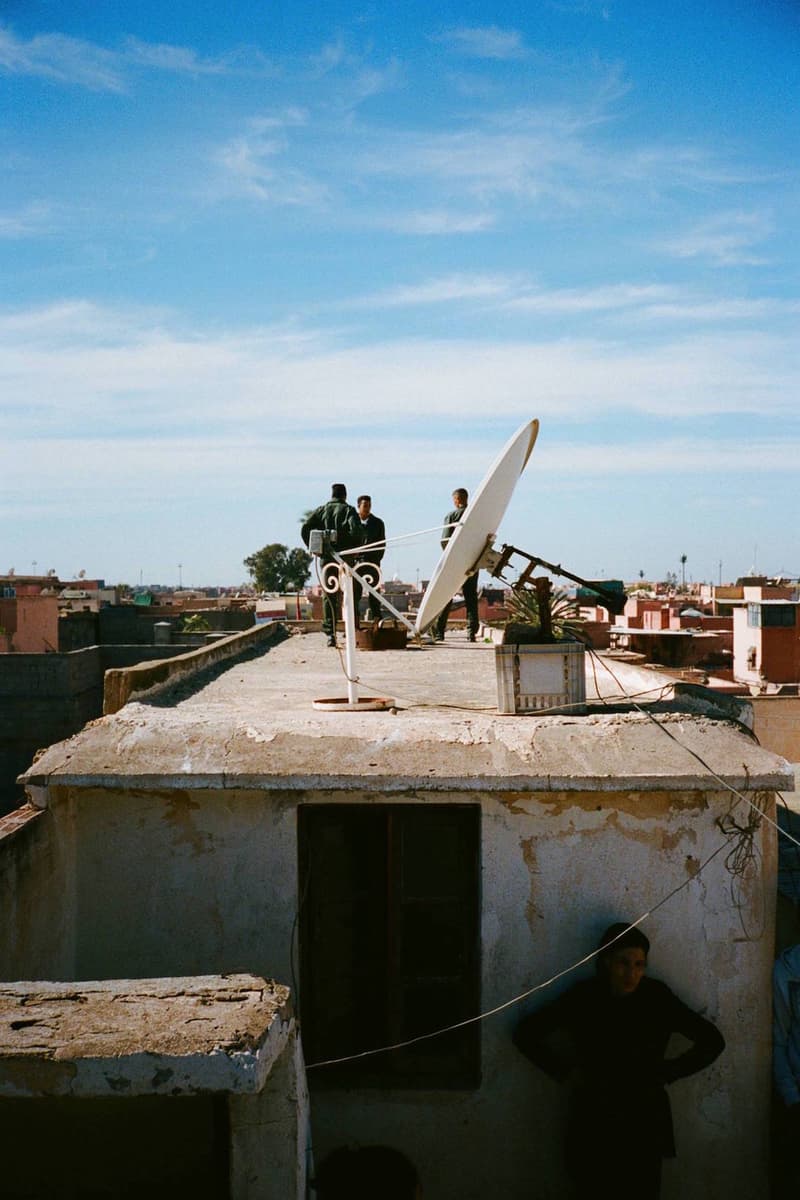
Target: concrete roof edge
(778,780)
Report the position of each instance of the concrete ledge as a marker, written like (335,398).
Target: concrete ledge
(135,1037)
(122,684)
(15,822)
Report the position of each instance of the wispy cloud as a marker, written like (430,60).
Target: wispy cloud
(487,41)
(354,76)
(545,156)
(673,455)
(63,60)
(447,290)
(726,239)
(165,57)
(612,297)
(635,304)
(253,164)
(31,221)
(438,222)
(69,60)
(59,367)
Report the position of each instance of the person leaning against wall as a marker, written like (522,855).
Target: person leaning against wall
(617,1026)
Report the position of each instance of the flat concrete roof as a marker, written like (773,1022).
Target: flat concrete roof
(133,1037)
(253,726)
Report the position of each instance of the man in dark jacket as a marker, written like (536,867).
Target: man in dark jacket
(339,519)
(470,586)
(371,529)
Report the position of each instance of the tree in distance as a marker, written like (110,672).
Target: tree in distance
(276,568)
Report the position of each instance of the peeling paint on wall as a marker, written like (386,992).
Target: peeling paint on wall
(178,814)
(644,805)
(532,913)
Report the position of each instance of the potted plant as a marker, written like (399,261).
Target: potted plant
(540,663)
(541,615)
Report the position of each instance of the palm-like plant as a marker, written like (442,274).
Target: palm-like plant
(542,613)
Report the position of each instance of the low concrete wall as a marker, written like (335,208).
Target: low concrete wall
(148,679)
(777,724)
(44,698)
(37,894)
(129,624)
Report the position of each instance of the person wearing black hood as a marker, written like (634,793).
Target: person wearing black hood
(617,1026)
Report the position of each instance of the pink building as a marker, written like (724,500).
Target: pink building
(766,642)
(30,623)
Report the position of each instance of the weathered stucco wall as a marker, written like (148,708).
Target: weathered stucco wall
(777,724)
(185,883)
(206,881)
(37,894)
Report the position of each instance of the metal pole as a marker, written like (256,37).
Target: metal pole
(350,633)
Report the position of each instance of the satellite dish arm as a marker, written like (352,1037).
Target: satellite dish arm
(496,563)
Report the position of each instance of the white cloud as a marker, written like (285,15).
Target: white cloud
(726,239)
(62,59)
(253,167)
(62,367)
(612,297)
(550,155)
(437,222)
(672,456)
(721,310)
(485,42)
(71,60)
(447,290)
(632,302)
(161,56)
(31,221)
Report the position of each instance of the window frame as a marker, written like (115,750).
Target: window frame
(389,984)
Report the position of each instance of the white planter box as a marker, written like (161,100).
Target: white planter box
(541,678)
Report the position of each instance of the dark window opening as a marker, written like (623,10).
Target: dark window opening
(769,616)
(390,941)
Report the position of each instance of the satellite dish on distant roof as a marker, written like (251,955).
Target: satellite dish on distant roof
(478,527)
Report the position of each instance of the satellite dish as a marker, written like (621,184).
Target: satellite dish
(478,527)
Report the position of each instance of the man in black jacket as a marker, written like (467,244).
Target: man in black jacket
(371,529)
(469,589)
(339,519)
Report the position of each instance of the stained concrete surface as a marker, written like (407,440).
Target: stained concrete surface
(255,726)
(140,1036)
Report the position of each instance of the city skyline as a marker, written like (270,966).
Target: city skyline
(248,253)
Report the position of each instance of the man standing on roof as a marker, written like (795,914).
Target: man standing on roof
(371,529)
(470,588)
(340,520)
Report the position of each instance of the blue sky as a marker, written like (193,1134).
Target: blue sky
(243,255)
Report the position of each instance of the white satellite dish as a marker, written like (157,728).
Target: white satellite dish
(478,527)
